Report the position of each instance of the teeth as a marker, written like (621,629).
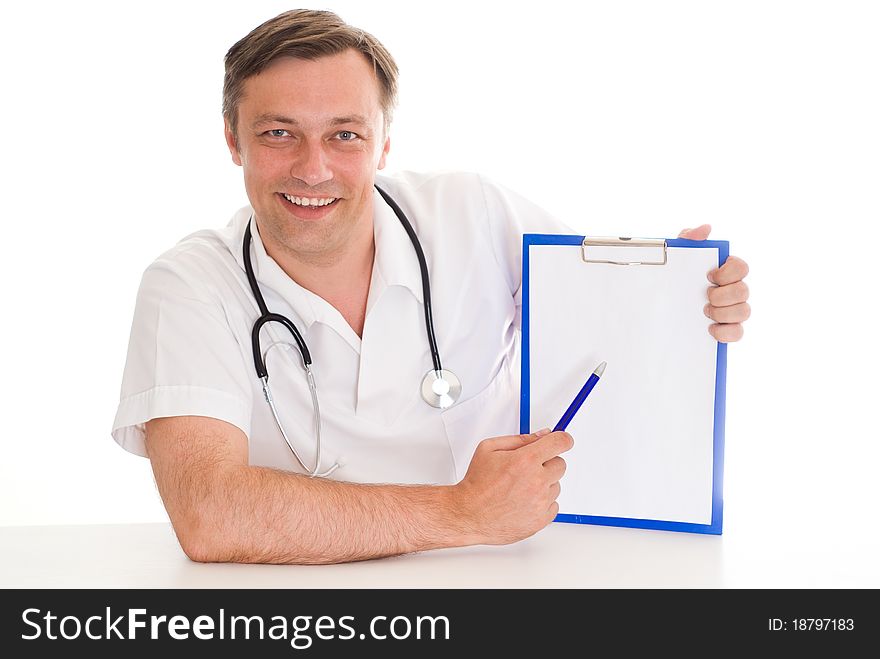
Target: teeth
(309,201)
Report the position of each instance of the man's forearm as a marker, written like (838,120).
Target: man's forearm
(260,515)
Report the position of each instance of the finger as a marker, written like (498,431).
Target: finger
(552,512)
(736,313)
(551,445)
(555,489)
(726,333)
(734,269)
(725,296)
(554,469)
(699,233)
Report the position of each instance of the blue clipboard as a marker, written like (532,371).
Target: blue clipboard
(572,287)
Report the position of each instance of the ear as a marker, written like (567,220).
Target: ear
(231,143)
(385,149)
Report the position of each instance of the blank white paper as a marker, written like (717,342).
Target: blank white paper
(644,437)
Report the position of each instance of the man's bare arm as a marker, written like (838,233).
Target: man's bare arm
(224,510)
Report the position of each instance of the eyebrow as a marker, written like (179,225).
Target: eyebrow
(269,118)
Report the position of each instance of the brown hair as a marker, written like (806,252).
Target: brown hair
(305,34)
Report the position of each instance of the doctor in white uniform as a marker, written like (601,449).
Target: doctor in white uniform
(309,126)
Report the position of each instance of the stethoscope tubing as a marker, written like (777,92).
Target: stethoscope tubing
(423,267)
(266,316)
(445,396)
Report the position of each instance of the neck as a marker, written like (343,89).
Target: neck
(342,278)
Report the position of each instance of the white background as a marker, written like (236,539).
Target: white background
(623,118)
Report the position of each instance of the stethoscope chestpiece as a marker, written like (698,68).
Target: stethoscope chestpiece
(440,389)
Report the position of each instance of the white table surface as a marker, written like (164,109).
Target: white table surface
(560,556)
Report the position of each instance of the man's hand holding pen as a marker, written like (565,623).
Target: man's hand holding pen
(510,489)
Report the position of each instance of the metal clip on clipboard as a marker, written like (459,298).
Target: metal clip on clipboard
(625,251)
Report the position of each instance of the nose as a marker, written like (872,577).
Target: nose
(311,165)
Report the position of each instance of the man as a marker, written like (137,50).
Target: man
(307,104)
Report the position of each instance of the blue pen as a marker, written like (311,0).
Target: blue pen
(580,398)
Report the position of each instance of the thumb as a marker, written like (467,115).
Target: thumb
(511,442)
(699,233)
(533,437)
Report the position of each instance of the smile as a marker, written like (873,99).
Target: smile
(309,201)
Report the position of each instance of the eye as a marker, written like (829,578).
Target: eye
(347,135)
(276,132)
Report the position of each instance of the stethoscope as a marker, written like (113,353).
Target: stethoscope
(440,388)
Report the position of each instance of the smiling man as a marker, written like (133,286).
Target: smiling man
(329,285)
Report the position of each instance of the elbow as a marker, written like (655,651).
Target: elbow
(198,546)
(198,549)
(203,542)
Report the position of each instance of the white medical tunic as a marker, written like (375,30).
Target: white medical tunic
(190,346)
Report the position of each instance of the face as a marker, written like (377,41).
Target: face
(310,138)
